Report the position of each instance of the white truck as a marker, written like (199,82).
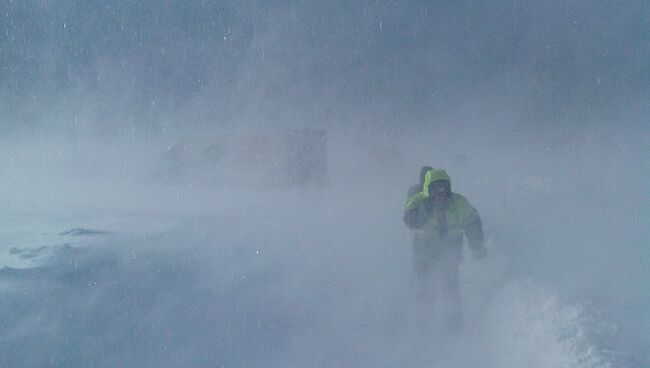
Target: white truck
(282,158)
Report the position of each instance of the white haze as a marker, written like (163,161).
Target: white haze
(320,276)
(554,157)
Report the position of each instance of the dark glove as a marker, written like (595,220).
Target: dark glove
(479,253)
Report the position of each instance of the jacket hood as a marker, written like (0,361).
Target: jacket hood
(438,175)
(434,175)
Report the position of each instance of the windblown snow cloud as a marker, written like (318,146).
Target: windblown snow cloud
(538,110)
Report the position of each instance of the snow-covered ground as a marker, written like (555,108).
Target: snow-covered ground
(311,288)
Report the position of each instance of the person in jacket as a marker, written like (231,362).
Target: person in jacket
(440,219)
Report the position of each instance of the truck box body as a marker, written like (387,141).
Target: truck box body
(284,158)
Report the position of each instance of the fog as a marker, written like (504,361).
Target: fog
(537,110)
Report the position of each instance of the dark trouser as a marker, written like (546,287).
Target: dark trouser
(438,275)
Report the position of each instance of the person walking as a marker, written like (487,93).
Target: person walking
(440,219)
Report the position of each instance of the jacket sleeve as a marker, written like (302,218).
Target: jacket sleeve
(474,230)
(415,218)
(414,214)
